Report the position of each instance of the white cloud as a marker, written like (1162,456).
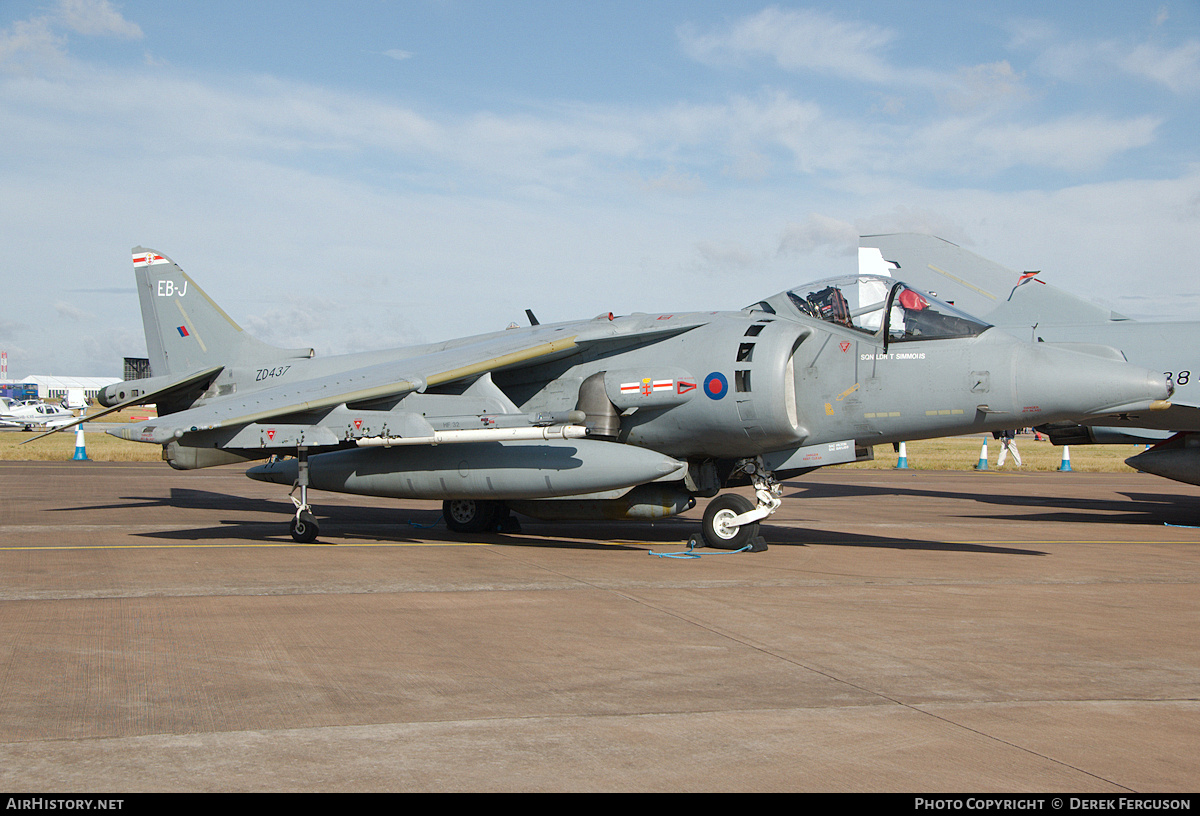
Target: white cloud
(673,181)
(986,85)
(819,232)
(1092,61)
(807,40)
(29,46)
(983,144)
(726,256)
(96,18)
(35,46)
(1177,68)
(802,39)
(72,312)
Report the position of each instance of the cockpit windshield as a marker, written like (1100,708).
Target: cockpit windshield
(860,302)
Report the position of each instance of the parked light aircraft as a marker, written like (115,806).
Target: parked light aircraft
(1028,306)
(34,414)
(616,417)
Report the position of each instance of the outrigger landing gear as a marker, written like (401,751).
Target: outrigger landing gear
(731,521)
(304,524)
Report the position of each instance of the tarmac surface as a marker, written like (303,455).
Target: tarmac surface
(906,631)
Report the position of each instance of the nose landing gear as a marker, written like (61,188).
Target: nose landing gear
(731,521)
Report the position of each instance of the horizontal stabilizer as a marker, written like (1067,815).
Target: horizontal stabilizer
(199,379)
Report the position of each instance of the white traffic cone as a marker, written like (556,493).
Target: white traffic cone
(902,462)
(80,450)
(982,456)
(1065,467)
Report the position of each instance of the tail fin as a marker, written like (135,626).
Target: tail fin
(185,330)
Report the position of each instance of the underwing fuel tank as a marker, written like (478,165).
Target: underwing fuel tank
(648,501)
(480,470)
(1176,458)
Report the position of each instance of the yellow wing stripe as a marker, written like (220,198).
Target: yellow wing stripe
(402,387)
(962,282)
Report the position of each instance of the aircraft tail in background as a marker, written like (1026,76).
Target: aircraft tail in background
(186,330)
(1000,295)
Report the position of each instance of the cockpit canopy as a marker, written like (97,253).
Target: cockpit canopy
(859,302)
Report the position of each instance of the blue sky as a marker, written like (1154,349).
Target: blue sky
(364,175)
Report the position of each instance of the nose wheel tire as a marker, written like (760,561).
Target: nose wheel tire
(304,527)
(718,533)
(470,515)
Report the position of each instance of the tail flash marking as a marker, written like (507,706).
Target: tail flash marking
(148,259)
(189,328)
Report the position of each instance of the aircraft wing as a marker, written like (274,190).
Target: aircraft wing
(403,375)
(201,378)
(984,288)
(394,378)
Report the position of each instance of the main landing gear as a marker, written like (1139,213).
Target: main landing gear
(731,521)
(478,516)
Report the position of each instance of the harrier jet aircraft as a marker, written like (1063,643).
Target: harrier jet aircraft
(632,416)
(1027,306)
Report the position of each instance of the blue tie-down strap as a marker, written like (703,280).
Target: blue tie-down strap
(755,545)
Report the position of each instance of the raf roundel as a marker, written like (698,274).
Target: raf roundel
(715,385)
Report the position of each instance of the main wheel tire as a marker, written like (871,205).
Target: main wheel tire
(717,533)
(304,528)
(470,515)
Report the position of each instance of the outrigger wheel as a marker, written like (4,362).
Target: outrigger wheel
(304,523)
(304,527)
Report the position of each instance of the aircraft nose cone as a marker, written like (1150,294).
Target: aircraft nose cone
(1072,383)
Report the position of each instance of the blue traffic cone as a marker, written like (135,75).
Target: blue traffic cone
(80,450)
(902,462)
(1065,467)
(982,456)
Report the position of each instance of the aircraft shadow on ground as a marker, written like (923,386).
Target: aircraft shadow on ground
(267,522)
(1136,508)
(361,523)
(188,499)
(800,536)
